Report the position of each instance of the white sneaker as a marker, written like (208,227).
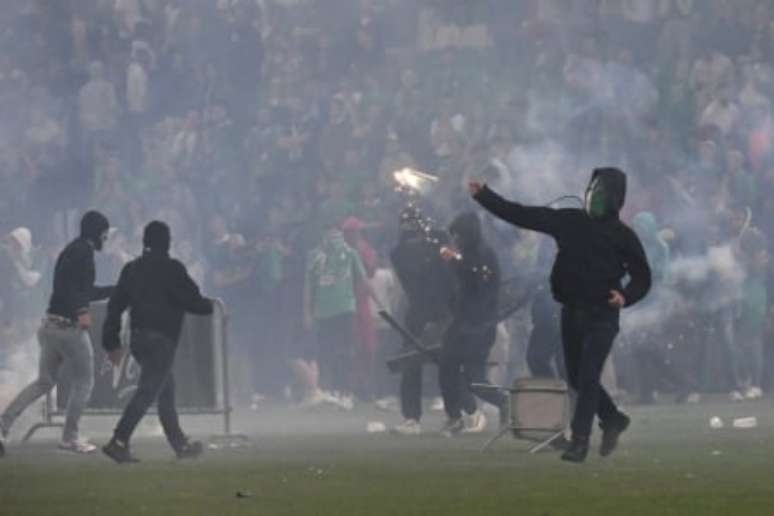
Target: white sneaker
(753,393)
(437,404)
(475,423)
(77,446)
(736,396)
(408,427)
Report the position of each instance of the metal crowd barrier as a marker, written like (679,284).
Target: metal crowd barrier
(201,374)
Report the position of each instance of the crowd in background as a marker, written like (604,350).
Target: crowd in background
(254,126)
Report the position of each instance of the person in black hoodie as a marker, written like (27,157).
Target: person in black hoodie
(64,334)
(471,334)
(596,251)
(158,291)
(427,284)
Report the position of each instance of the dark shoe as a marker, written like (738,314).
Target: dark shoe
(611,431)
(577,451)
(190,450)
(119,452)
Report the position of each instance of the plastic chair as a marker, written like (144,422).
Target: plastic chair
(539,410)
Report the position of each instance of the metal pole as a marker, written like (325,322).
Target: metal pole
(226,379)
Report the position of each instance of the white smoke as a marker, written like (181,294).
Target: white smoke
(719,275)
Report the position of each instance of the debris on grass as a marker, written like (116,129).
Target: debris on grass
(745,422)
(376,427)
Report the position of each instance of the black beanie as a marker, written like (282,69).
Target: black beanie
(156,236)
(93,225)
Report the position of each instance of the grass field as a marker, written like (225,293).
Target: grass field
(670,463)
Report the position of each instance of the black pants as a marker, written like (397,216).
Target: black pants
(155,353)
(587,338)
(463,362)
(335,339)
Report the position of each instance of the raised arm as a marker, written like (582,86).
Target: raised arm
(542,219)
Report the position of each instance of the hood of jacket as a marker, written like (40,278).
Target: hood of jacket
(610,183)
(93,225)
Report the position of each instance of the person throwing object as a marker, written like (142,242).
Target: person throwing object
(596,251)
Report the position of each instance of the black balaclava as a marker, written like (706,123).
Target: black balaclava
(606,193)
(94,227)
(156,237)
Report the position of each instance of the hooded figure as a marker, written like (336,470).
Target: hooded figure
(94,228)
(471,334)
(428,284)
(425,279)
(74,271)
(477,273)
(64,337)
(158,292)
(21,254)
(596,251)
(606,193)
(156,237)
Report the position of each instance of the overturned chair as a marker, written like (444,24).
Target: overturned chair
(539,410)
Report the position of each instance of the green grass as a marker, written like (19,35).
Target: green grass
(670,463)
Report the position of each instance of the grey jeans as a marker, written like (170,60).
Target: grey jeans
(59,346)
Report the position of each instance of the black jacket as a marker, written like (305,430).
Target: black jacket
(595,254)
(158,291)
(74,281)
(477,276)
(425,279)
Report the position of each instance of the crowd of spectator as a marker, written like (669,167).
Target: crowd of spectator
(252,126)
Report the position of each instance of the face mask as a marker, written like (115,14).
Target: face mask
(595,199)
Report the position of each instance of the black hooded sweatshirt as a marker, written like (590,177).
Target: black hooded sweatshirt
(158,291)
(74,270)
(477,276)
(424,277)
(594,255)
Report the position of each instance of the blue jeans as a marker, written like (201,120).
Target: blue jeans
(59,345)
